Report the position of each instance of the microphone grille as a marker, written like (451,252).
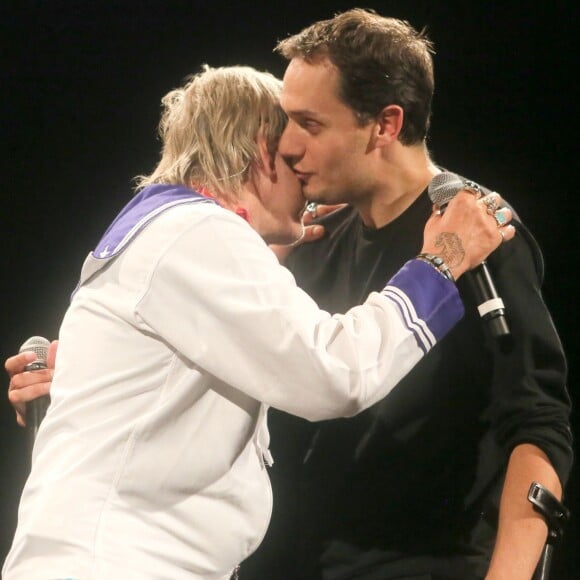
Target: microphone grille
(443,187)
(37,344)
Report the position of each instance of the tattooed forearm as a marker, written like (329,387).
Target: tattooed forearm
(450,248)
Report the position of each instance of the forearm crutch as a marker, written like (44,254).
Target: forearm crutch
(555,514)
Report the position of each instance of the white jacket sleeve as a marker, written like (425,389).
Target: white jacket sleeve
(219,297)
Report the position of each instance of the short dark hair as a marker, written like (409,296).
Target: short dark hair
(381,61)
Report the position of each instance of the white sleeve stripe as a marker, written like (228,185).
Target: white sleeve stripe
(425,337)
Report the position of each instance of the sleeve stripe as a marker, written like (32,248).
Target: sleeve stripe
(429,304)
(425,338)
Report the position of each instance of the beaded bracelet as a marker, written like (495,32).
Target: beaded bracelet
(439,264)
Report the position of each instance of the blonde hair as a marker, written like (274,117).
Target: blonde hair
(210,126)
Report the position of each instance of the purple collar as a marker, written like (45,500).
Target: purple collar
(147,204)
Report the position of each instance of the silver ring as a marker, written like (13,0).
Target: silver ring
(312,209)
(500,218)
(472,187)
(501,233)
(490,202)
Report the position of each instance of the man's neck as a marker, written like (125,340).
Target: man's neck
(406,176)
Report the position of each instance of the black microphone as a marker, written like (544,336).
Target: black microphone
(442,189)
(35,410)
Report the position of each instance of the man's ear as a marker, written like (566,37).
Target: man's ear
(266,161)
(389,125)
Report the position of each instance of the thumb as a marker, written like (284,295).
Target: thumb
(311,234)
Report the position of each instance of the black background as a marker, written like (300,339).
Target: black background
(81,87)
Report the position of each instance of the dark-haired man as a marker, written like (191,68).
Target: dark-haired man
(414,487)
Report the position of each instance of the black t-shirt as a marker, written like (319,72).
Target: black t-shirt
(417,477)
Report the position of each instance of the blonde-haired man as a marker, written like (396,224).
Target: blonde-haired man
(184,329)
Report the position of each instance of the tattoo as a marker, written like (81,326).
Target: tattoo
(451,249)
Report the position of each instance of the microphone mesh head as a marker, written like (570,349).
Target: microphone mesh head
(37,344)
(444,187)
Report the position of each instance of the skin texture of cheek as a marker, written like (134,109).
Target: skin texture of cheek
(338,161)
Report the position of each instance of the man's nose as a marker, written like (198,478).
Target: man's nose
(289,146)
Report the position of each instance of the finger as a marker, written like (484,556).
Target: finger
(311,234)
(15,364)
(310,213)
(502,216)
(19,397)
(28,393)
(492,202)
(463,198)
(20,410)
(314,211)
(507,233)
(324,209)
(23,380)
(472,188)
